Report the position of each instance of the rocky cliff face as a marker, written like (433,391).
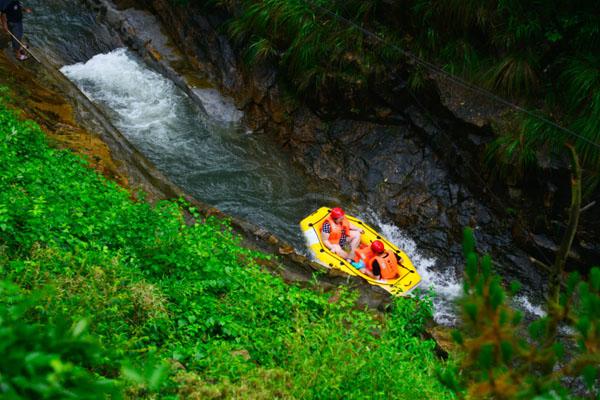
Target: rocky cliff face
(408,155)
(382,157)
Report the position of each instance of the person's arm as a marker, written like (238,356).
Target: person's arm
(368,273)
(325,237)
(336,248)
(333,247)
(355,228)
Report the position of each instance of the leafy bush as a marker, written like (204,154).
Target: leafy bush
(50,361)
(504,357)
(166,298)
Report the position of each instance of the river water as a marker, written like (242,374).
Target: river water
(205,150)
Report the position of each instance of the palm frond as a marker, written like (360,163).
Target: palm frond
(260,50)
(516,75)
(579,82)
(512,153)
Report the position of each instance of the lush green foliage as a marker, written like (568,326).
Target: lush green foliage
(501,361)
(316,53)
(161,297)
(526,50)
(46,361)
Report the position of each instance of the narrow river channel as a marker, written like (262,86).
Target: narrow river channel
(209,154)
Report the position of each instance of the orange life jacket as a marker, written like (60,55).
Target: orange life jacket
(364,253)
(336,230)
(388,264)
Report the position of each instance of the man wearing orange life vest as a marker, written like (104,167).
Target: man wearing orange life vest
(338,233)
(376,262)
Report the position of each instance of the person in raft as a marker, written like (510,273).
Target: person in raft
(377,262)
(340,235)
(11,15)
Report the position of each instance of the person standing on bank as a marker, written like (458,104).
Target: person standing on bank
(12,22)
(340,235)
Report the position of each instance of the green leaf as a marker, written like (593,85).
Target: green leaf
(468,242)
(457,337)
(583,326)
(158,376)
(559,350)
(553,36)
(486,356)
(590,375)
(572,282)
(80,327)
(515,287)
(132,374)
(538,328)
(496,294)
(471,268)
(595,279)
(486,266)
(471,310)
(503,317)
(507,351)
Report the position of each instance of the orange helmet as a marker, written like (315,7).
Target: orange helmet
(337,212)
(377,247)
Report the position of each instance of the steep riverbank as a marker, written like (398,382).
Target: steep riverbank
(71,121)
(391,162)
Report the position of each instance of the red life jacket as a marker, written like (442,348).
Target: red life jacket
(336,230)
(388,264)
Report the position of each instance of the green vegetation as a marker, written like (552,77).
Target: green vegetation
(316,53)
(542,54)
(107,296)
(504,358)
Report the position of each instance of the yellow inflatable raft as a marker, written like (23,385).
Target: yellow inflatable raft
(311,228)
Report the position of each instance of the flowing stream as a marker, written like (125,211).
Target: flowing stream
(207,152)
(215,160)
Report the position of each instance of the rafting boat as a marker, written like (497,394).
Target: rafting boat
(408,278)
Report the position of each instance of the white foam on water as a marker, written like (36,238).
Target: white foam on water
(523,303)
(444,283)
(217,106)
(446,286)
(145,102)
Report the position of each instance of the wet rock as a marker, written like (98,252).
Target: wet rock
(347,132)
(591,251)
(483,216)
(443,337)
(439,239)
(373,179)
(544,242)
